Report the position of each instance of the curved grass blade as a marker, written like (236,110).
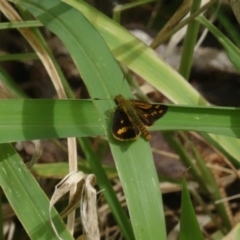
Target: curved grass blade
(100,71)
(133,53)
(140,58)
(20,187)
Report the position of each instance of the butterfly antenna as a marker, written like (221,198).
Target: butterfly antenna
(124,79)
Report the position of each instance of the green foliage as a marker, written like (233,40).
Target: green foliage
(189,228)
(80,27)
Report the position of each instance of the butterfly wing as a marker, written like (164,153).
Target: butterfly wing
(148,112)
(122,127)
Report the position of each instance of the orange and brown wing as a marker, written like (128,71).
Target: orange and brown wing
(122,128)
(148,112)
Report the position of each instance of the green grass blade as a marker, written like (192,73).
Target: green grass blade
(198,169)
(189,43)
(189,228)
(234,234)
(100,71)
(229,27)
(133,53)
(104,79)
(140,58)
(38,119)
(232,51)
(60,169)
(30,119)
(213,189)
(228,144)
(108,192)
(24,24)
(215,144)
(218,120)
(8,82)
(25,196)
(1,219)
(18,57)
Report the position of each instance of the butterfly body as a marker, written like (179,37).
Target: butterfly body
(132,116)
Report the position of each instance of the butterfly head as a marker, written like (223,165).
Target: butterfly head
(118,99)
